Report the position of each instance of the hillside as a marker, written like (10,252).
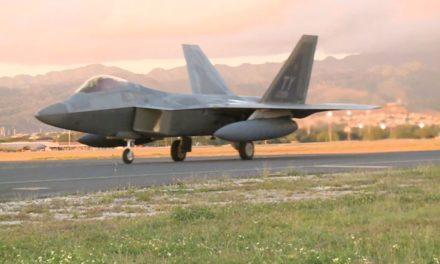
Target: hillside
(413,79)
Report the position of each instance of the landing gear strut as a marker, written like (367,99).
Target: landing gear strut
(246,150)
(128,154)
(180,147)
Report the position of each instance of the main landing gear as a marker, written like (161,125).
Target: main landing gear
(128,154)
(246,150)
(180,147)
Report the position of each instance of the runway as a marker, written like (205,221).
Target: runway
(48,178)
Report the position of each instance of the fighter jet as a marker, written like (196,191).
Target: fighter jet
(115,112)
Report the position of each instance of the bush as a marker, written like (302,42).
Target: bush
(429,132)
(64,137)
(376,133)
(405,131)
(324,136)
(413,131)
(281,140)
(301,135)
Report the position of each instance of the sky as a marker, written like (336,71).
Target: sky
(139,35)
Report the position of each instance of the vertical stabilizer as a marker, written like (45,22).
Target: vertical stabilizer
(292,82)
(204,78)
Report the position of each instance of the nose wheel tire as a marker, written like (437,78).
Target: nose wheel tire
(127,156)
(246,150)
(177,152)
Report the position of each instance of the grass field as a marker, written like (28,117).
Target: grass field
(388,216)
(271,149)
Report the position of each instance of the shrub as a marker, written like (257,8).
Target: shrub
(376,133)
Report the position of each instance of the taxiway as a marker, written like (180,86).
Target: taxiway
(54,177)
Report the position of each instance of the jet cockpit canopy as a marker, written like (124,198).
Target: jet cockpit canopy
(102,83)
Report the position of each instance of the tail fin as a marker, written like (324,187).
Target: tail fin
(204,78)
(292,82)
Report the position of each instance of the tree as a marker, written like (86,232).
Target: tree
(429,132)
(376,133)
(324,136)
(405,131)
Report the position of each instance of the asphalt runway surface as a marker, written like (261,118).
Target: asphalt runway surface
(48,178)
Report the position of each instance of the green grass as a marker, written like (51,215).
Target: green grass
(394,219)
(192,213)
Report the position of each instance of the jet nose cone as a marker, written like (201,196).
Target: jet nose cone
(51,113)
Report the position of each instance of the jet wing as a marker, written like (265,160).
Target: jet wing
(321,107)
(297,110)
(301,111)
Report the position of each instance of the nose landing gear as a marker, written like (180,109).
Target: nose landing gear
(128,154)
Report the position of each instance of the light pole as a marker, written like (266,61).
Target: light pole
(348,125)
(369,121)
(421,125)
(330,128)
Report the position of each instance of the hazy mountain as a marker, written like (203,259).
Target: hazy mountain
(414,79)
(21,96)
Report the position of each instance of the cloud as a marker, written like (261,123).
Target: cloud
(72,32)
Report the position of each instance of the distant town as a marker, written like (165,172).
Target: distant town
(390,115)
(393,120)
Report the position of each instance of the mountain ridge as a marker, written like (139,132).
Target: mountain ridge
(413,79)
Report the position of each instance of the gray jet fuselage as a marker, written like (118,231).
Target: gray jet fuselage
(131,110)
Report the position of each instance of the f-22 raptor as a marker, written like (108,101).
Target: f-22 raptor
(115,112)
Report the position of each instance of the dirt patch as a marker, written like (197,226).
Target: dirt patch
(158,200)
